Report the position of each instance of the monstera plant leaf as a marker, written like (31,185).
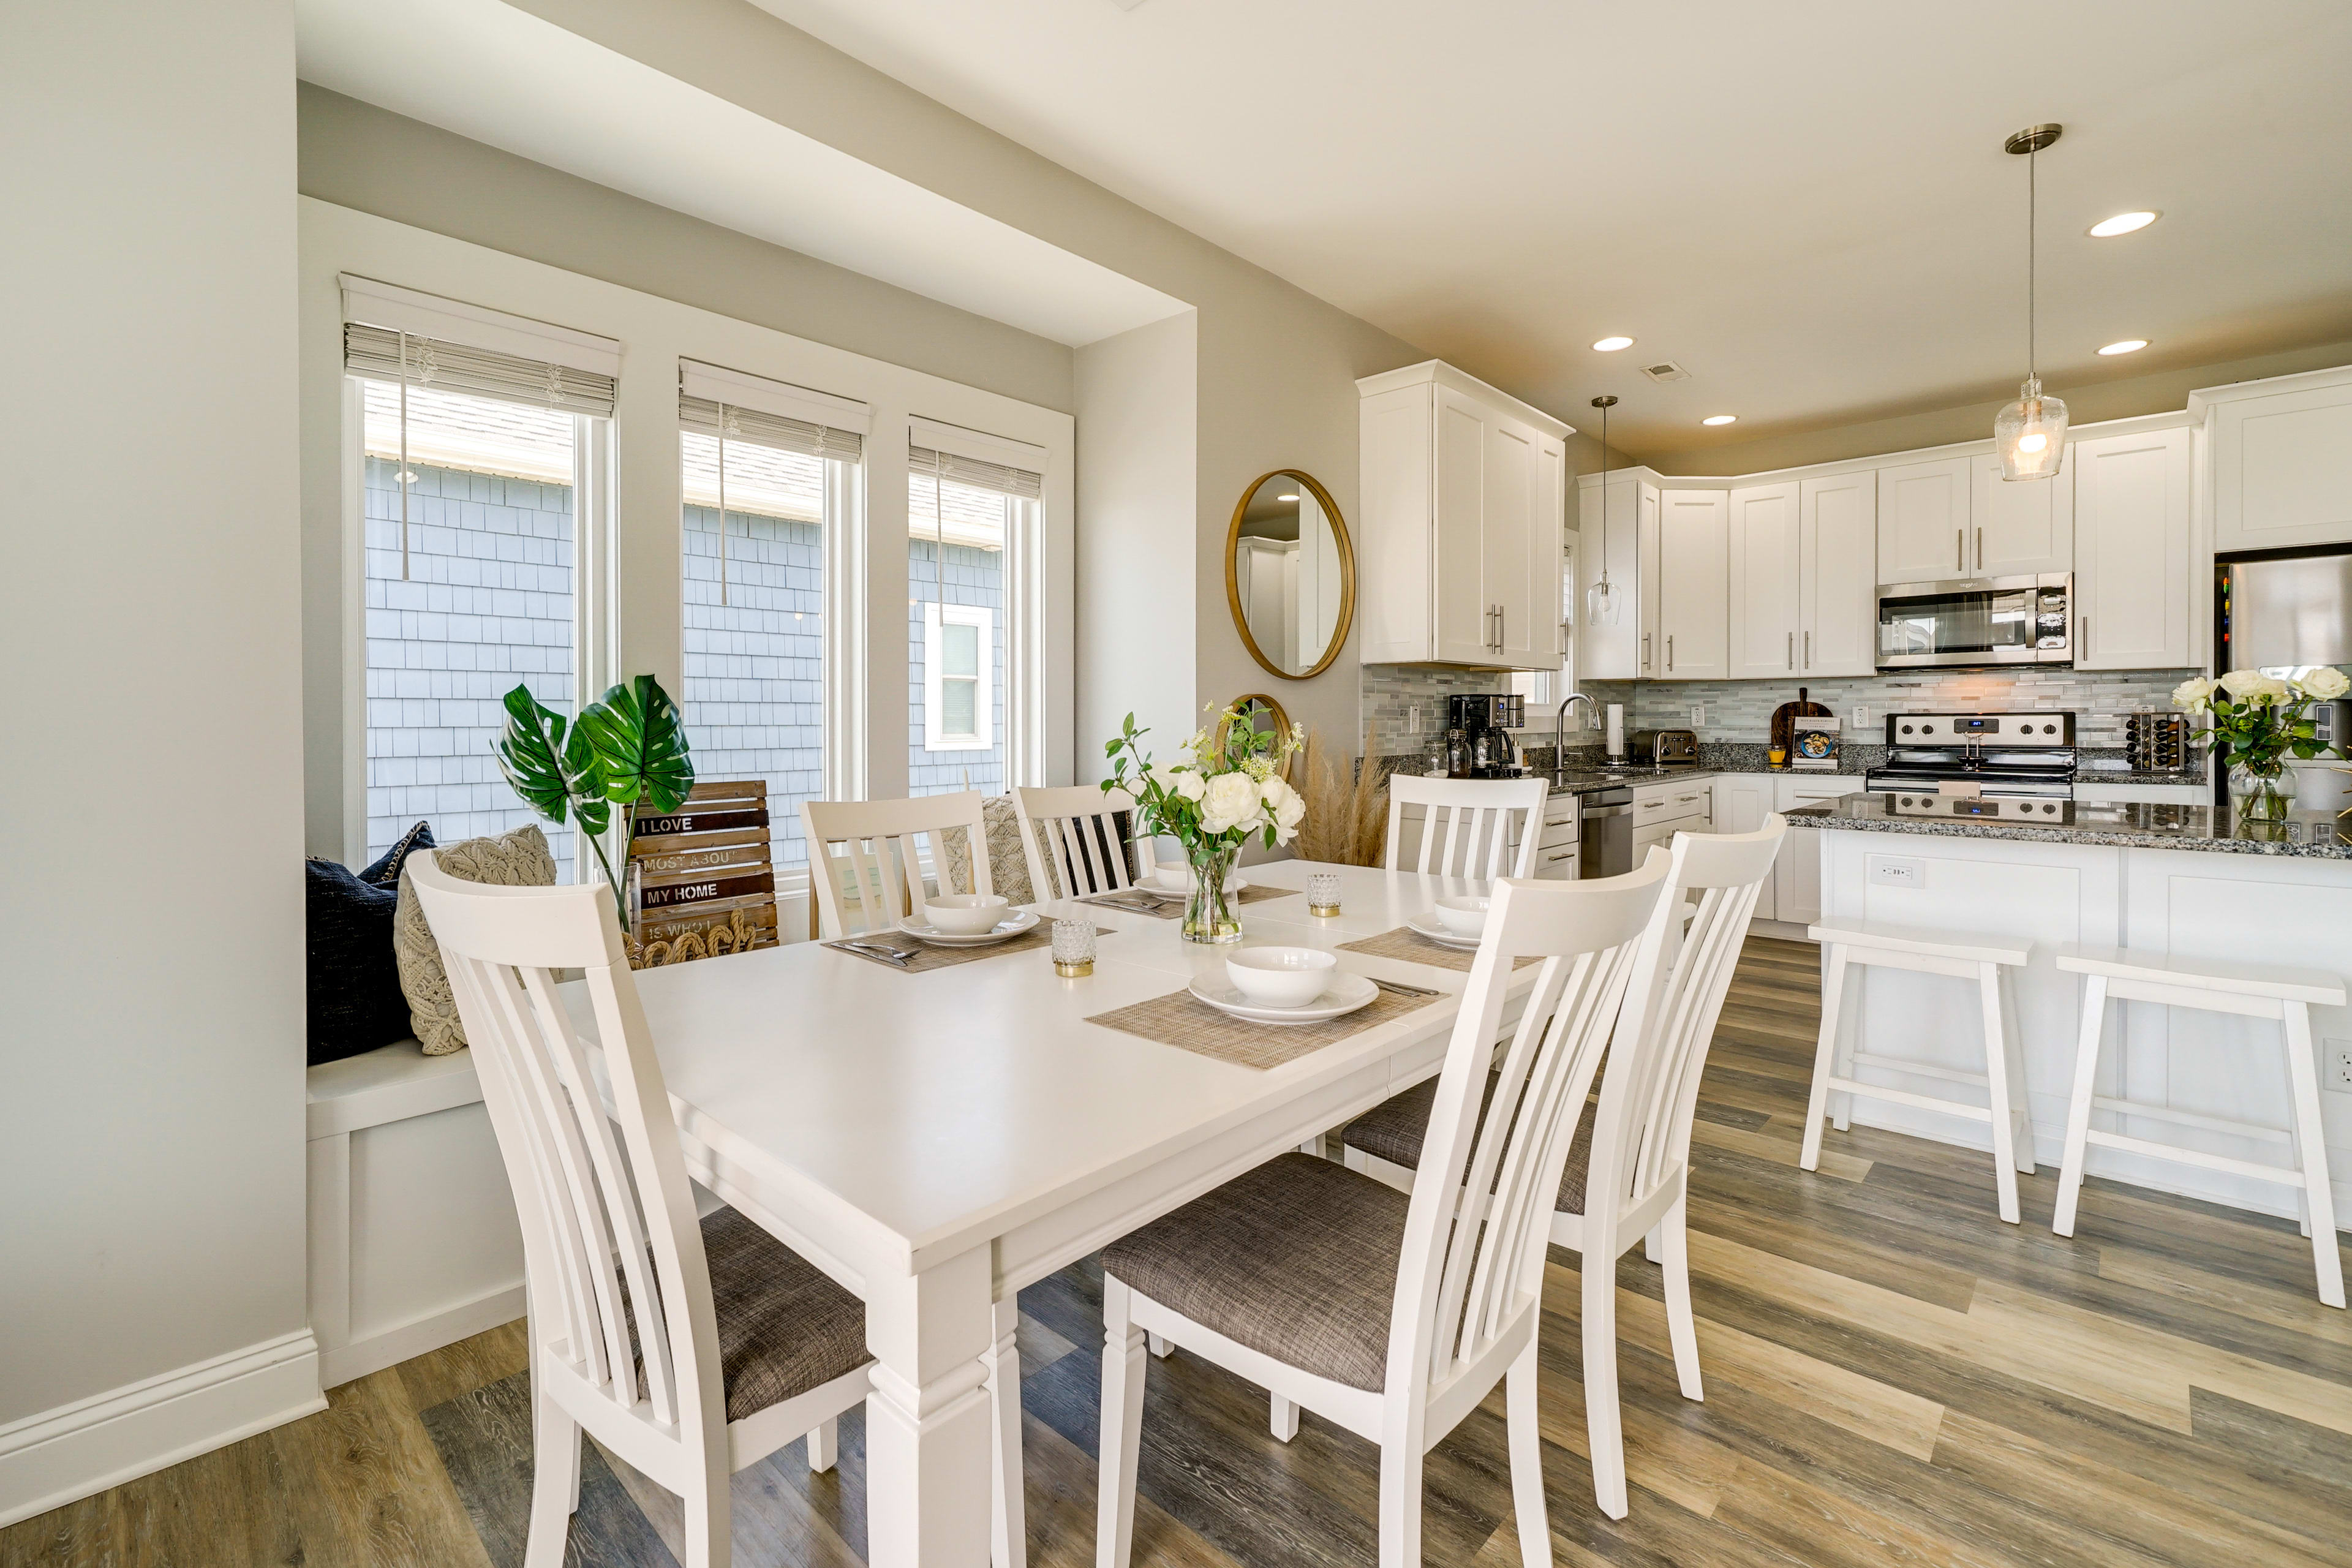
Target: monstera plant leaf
(640,741)
(555,773)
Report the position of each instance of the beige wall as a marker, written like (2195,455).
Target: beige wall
(151,895)
(2161,391)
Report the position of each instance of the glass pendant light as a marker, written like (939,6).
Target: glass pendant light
(1603,602)
(2031,432)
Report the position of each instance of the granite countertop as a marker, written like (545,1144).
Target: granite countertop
(2137,827)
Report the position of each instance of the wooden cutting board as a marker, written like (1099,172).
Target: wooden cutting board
(1802,708)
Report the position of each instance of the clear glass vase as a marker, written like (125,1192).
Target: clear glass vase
(2261,795)
(1209,910)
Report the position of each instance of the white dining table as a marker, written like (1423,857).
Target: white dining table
(937,1140)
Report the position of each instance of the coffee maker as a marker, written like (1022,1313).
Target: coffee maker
(1478,728)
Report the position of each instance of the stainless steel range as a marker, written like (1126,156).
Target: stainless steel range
(2006,755)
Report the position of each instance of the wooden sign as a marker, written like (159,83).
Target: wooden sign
(707,883)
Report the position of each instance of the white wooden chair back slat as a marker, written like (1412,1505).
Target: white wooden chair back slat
(1069,835)
(1476,1229)
(1479,816)
(1640,1133)
(879,862)
(600,1212)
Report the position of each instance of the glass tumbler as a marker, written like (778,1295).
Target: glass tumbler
(1323,894)
(1074,948)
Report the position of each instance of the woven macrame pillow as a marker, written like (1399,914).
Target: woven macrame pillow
(1008,869)
(516,859)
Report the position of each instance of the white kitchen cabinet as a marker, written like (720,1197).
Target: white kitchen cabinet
(1837,575)
(1741,803)
(2282,459)
(1797,873)
(1616,523)
(1691,584)
(2134,560)
(1558,849)
(2018,527)
(1766,574)
(1459,522)
(1923,520)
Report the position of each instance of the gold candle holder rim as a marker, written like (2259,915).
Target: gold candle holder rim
(1078,971)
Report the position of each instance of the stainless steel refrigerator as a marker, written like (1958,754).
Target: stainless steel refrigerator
(2282,611)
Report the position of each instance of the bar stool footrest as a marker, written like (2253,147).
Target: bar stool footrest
(2286,1175)
(1904,1097)
(1897,1064)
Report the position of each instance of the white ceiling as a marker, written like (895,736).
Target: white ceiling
(504,77)
(1806,206)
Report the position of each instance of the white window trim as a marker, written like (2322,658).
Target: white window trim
(984,709)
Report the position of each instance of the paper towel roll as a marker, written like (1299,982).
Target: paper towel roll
(1616,729)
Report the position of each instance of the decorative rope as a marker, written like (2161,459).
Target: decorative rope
(737,935)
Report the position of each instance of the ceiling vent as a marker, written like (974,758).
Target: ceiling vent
(1665,370)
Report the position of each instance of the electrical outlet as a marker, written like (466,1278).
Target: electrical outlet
(1859,719)
(2337,1072)
(1415,727)
(1698,714)
(1900,873)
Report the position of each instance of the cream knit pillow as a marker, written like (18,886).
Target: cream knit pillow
(516,859)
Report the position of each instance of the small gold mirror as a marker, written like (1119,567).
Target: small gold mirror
(1290,574)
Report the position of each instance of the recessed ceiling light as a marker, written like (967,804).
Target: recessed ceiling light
(1720,419)
(2128,346)
(1610,345)
(2122,223)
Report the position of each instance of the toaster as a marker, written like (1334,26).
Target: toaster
(1664,748)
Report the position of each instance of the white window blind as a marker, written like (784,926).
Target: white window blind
(758,427)
(956,469)
(385,353)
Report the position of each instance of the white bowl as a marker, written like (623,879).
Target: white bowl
(1281,976)
(1173,875)
(966,914)
(1463,917)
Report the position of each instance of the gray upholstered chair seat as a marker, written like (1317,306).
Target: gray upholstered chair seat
(1297,1259)
(783,1326)
(1393,1130)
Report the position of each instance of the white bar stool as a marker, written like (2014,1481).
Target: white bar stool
(1971,957)
(2250,992)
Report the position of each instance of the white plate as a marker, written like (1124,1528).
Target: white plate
(1234,883)
(1437,933)
(1012,925)
(1347,993)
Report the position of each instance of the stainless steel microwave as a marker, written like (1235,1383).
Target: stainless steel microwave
(1975,622)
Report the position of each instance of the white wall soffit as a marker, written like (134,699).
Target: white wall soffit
(500,75)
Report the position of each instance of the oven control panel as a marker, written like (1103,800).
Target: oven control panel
(1981,808)
(2007,731)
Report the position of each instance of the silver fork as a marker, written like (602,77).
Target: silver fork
(898,955)
(1402,990)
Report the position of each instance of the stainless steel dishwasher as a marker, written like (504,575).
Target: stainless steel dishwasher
(1605,826)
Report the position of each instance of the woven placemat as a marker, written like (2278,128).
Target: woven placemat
(1405,943)
(1171,907)
(928,957)
(1185,1021)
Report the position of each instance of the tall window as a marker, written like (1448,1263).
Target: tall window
(970,521)
(468,481)
(765,495)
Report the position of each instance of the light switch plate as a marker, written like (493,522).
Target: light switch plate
(1897,873)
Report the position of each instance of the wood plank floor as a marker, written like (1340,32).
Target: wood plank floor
(1893,1375)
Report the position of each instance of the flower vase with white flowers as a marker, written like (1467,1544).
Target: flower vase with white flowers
(1227,789)
(2258,721)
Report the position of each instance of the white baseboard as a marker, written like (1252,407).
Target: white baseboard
(340,1364)
(61,1455)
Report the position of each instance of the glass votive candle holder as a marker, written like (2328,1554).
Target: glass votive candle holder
(1323,894)
(1074,948)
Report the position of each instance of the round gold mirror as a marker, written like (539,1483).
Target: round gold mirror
(1267,717)
(1290,574)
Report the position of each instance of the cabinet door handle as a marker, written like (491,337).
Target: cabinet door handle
(1980,548)
(1959,549)
(1809,650)
(1792,651)
(1501,626)
(2086,637)
(1646,651)
(1670,653)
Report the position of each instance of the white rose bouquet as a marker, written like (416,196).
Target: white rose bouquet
(2258,721)
(1226,788)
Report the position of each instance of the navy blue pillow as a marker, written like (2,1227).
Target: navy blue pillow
(355,1000)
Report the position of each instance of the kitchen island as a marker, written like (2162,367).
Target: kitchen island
(2173,880)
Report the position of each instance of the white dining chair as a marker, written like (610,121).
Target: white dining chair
(871,852)
(1627,1175)
(1394,1316)
(1071,837)
(1479,816)
(691,1348)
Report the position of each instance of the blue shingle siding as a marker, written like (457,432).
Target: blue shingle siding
(966,576)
